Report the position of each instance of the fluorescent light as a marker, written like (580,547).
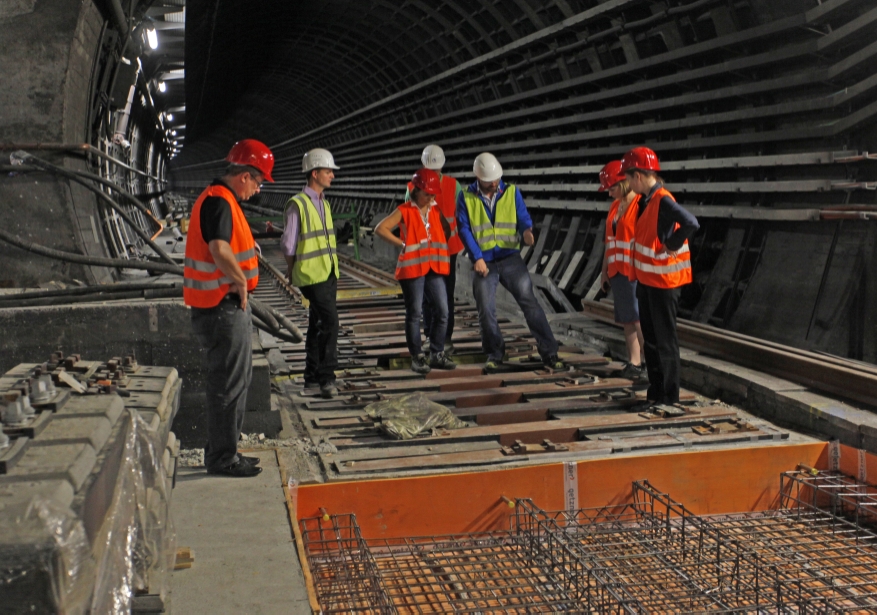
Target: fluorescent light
(152,38)
(170,116)
(162,86)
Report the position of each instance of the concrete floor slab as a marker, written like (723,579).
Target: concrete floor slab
(245,557)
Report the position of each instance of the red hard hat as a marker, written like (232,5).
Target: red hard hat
(427,180)
(610,175)
(252,153)
(640,158)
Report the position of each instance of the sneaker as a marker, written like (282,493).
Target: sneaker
(441,361)
(631,371)
(253,461)
(637,373)
(239,469)
(493,365)
(449,348)
(553,362)
(328,390)
(419,364)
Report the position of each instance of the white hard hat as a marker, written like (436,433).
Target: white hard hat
(487,168)
(433,157)
(317,158)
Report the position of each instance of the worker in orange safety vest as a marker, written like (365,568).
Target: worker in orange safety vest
(618,263)
(661,266)
(433,157)
(422,267)
(221,269)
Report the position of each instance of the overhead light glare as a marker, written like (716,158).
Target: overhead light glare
(162,86)
(170,116)
(152,38)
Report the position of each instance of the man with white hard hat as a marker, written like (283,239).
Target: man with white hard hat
(433,158)
(491,219)
(308,243)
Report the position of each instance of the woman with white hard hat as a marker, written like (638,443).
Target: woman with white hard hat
(422,266)
(618,263)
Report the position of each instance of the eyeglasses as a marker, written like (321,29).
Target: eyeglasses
(258,181)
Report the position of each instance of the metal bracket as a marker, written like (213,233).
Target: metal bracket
(729,426)
(547,446)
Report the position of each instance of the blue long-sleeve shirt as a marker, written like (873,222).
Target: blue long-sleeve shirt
(670,213)
(464,226)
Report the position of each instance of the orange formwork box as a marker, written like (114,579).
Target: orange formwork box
(708,482)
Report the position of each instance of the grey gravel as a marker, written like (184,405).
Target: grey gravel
(194,457)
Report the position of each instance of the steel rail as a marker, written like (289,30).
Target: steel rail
(848,379)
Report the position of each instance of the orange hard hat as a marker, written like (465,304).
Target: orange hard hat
(640,158)
(252,153)
(610,175)
(427,180)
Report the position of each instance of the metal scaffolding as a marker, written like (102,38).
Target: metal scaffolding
(813,554)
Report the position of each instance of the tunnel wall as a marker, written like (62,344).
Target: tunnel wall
(47,75)
(763,114)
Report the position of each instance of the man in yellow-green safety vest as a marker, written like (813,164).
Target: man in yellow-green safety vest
(308,243)
(491,215)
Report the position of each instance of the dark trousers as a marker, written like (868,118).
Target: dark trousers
(224,332)
(512,273)
(414,291)
(321,343)
(450,286)
(657,312)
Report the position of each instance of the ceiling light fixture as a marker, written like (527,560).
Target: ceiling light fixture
(152,38)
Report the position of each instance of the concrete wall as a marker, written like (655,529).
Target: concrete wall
(155,332)
(46,60)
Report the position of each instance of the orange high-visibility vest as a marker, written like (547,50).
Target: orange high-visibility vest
(620,245)
(204,284)
(650,268)
(447,202)
(425,248)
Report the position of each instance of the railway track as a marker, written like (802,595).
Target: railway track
(524,415)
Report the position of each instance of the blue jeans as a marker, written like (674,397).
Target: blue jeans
(433,285)
(450,285)
(512,273)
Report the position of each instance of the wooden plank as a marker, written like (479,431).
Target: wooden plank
(571,269)
(544,229)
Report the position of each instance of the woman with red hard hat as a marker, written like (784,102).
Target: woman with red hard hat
(423,264)
(618,263)
(661,266)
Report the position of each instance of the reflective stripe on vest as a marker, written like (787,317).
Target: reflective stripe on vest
(425,248)
(447,202)
(502,233)
(315,253)
(204,283)
(651,268)
(620,245)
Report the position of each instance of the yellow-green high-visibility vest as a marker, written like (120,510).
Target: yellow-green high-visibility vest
(503,232)
(315,253)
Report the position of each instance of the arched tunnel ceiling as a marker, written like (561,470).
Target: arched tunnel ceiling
(277,70)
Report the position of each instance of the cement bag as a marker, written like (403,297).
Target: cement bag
(410,415)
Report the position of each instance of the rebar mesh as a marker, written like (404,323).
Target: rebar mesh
(812,555)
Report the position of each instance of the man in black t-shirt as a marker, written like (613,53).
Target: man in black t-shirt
(221,269)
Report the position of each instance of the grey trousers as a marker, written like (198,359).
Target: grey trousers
(224,332)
